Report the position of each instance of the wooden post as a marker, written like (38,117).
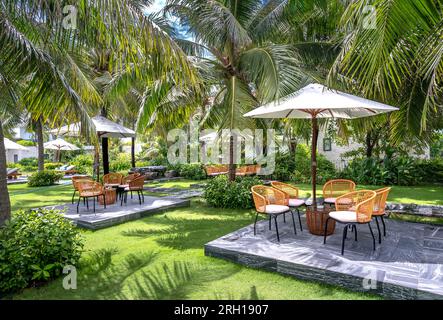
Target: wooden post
(314,159)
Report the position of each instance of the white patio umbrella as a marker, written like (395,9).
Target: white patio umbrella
(317,101)
(11,145)
(105,128)
(59,145)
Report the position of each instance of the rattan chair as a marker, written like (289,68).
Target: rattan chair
(137,185)
(336,188)
(292,197)
(74,181)
(90,189)
(271,202)
(353,208)
(379,209)
(112,179)
(241,171)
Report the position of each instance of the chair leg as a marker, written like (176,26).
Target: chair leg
(384,226)
(326,230)
(255,222)
(73,196)
(78,202)
(276,228)
(143,196)
(355,231)
(87,203)
(121,199)
(293,221)
(378,228)
(299,219)
(93,203)
(139,198)
(284,217)
(372,234)
(270,220)
(131,194)
(345,231)
(104,200)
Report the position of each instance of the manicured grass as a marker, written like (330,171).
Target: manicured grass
(161,257)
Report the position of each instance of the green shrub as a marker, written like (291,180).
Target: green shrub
(28,164)
(26,143)
(431,171)
(52,165)
(221,193)
(83,163)
(44,178)
(35,246)
(192,171)
(122,162)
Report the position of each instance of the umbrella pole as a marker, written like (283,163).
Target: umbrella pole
(314,160)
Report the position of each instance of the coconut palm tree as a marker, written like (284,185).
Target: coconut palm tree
(231,46)
(392,51)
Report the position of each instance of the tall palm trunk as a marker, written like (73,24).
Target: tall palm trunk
(40,150)
(5,204)
(231,159)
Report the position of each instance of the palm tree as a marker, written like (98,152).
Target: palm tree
(392,51)
(240,66)
(37,47)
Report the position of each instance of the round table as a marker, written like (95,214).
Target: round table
(316,219)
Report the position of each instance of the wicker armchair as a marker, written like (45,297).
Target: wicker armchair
(74,180)
(241,171)
(271,202)
(335,188)
(291,193)
(130,177)
(112,179)
(136,185)
(251,170)
(352,209)
(213,171)
(90,189)
(379,209)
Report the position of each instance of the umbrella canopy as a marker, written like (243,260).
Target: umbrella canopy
(11,145)
(60,144)
(317,101)
(104,127)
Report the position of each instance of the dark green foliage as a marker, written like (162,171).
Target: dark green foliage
(221,193)
(36,245)
(121,162)
(83,163)
(192,171)
(28,164)
(44,178)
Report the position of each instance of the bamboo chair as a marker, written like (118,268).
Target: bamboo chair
(74,180)
(336,188)
(90,189)
(271,202)
(137,185)
(291,193)
(353,208)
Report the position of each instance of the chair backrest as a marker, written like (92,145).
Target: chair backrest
(291,191)
(88,186)
(263,195)
(77,179)
(361,201)
(241,170)
(210,170)
(130,177)
(113,178)
(251,169)
(137,183)
(380,200)
(337,187)
(11,170)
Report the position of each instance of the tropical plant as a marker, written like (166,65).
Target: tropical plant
(232,51)
(44,178)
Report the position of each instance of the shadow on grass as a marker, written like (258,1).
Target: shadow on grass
(182,233)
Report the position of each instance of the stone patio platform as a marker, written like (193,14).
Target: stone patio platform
(408,264)
(116,214)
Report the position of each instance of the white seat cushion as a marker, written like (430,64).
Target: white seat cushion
(344,216)
(296,202)
(330,200)
(276,208)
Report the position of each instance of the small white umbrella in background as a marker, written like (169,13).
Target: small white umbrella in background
(60,145)
(11,145)
(317,101)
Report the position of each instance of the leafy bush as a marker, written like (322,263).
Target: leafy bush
(52,165)
(26,143)
(28,164)
(122,162)
(44,178)
(221,193)
(192,171)
(431,171)
(83,163)
(34,246)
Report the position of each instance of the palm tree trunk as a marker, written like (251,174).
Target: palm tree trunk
(40,150)
(231,159)
(5,204)
(133,152)
(314,160)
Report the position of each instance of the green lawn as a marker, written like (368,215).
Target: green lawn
(161,256)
